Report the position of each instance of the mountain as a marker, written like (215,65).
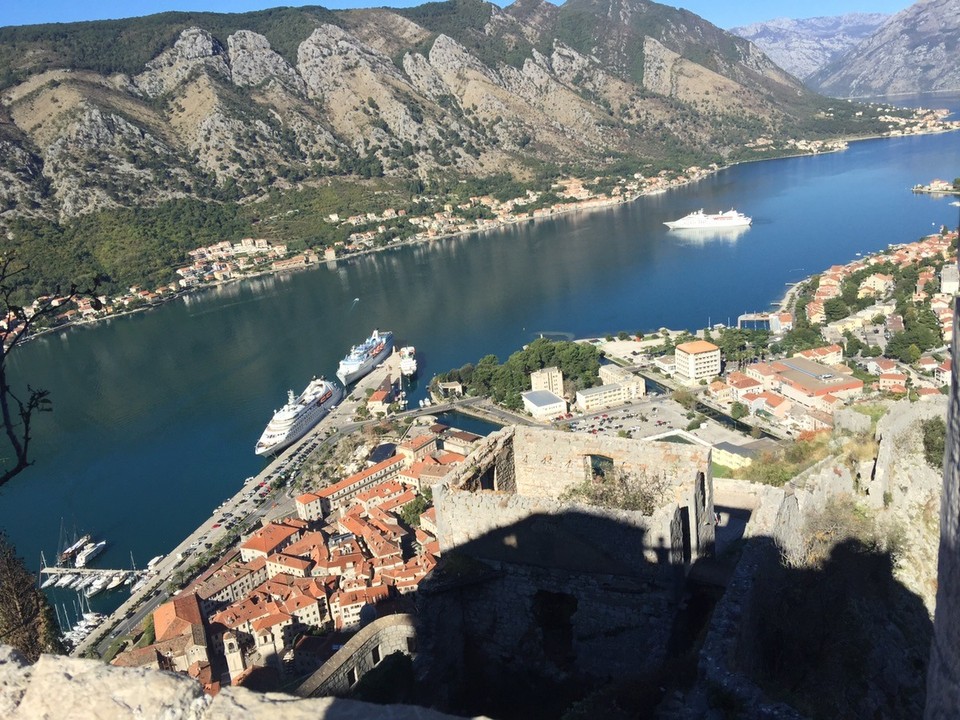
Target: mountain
(214,119)
(801,47)
(915,51)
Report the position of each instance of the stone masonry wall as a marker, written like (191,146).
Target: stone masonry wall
(550,462)
(620,625)
(355,659)
(903,419)
(634,540)
(542,464)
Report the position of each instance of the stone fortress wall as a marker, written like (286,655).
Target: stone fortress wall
(360,654)
(522,471)
(898,477)
(556,585)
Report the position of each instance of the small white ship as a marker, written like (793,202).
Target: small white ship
(294,420)
(700,219)
(408,361)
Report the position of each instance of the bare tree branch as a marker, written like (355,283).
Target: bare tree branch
(17,410)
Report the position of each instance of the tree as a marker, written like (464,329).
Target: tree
(26,620)
(17,408)
(411,512)
(835,309)
(738,410)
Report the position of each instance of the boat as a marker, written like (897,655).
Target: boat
(100,584)
(50,580)
(700,219)
(365,357)
(67,554)
(65,579)
(90,550)
(294,420)
(153,563)
(408,361)
(86,581)
(116,581)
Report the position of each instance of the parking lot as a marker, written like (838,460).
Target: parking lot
(651,416)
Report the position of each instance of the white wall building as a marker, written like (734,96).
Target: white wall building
(543,405)
(697,360)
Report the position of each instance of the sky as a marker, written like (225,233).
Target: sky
(723,13)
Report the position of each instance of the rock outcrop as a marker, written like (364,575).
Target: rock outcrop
(60,687)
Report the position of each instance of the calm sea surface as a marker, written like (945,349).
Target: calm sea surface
(156,414)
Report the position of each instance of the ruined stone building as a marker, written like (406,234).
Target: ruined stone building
(535,582)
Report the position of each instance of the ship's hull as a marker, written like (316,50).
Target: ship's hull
(349,371)
(306,420)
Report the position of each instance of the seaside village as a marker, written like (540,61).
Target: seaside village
(790,395)
(288,596)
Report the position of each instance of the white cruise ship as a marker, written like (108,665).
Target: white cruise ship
(293,420)
(700,219)
(365,357)
(408,361)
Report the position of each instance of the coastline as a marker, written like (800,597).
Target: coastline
(587,205)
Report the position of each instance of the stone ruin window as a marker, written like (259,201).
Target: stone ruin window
(375,655)
(600,468)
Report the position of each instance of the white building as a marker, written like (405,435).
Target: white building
(616,375)
(603,396)
(950,279)
(697,360)
(549,379)
(543,405)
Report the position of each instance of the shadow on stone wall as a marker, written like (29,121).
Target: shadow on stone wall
(562,616)
(843,640)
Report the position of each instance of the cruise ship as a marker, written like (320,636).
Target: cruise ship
(365,357)
(699,219)
(408,361)
(293,420)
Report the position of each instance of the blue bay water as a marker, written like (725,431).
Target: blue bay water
(156,414)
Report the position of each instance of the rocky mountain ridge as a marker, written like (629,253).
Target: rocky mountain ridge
(171,109)
(914,51)
(801,47)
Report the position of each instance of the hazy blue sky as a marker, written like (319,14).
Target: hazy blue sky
(723,13)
